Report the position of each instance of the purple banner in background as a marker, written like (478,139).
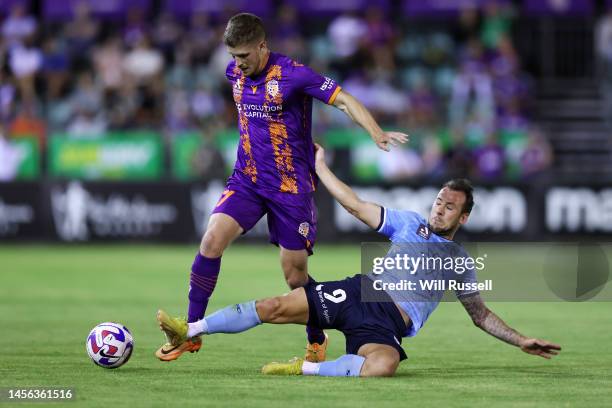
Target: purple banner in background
(106,9)
(558,7)
(443,8)
(182,8)
(7,5)
(437,8)
(327,7)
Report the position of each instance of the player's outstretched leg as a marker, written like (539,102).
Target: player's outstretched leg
(374,360)
(292,308)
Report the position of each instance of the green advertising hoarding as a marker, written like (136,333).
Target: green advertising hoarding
(185,148)
(116,156)
(28,157)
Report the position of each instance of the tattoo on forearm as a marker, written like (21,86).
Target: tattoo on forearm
(489,321)
(497,328)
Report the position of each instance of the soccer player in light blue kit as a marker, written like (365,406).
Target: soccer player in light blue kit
(373,329)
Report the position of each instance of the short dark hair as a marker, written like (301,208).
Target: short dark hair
(242,29)
(464,185)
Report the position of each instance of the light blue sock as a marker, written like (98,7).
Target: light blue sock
(232,319)
(349,365)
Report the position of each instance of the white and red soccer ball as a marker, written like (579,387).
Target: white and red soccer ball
(109,344)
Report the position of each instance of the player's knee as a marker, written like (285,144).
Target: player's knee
(380,366)
(269,310)
(212,245)
(296,273)
(296,279)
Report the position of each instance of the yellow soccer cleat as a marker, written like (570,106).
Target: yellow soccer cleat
(315,352)
(175,330)
(292,367)
(169,352)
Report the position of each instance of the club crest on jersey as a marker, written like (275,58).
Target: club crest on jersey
(304,229)
(272,88)
(423,231)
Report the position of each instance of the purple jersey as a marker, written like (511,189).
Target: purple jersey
(276,152)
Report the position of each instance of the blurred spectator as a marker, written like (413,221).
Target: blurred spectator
(433,159)
(504,60)
(287,35)
(459,157)
(537,156)
(438,49)
(422,110)
(136,27)
(27,123)
(143,63)
(206,105)
(496,23)
(512,119)
(81,34)
(378,95)
(108,63)
(25,61)
(178,115)
(489,161)
(87,124)
(218,63)
(347,34)
(121,107)
(202,38)
(472,81)
(400,164)
(181,74)
(18,26)
(476,128)
(166,34)
(7,97)
(468,25)
(87,96)
(380,38)
(56,66)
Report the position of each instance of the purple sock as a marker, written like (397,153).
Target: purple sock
(204,273)
(315,334)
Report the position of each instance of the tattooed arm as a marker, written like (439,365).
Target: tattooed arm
(489,322)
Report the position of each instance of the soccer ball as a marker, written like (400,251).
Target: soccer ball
(109,345)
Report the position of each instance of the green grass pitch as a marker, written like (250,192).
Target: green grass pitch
(51,296)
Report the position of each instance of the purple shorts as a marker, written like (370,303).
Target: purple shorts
(292,218)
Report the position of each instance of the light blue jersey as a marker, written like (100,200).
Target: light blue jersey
(411,236)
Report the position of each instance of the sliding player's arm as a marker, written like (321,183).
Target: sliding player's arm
(360,115)
(489,322)
(368,213)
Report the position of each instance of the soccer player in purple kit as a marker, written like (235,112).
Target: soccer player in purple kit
(274,172)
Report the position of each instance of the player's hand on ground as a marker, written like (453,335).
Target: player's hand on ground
(540,348)
(390,138)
